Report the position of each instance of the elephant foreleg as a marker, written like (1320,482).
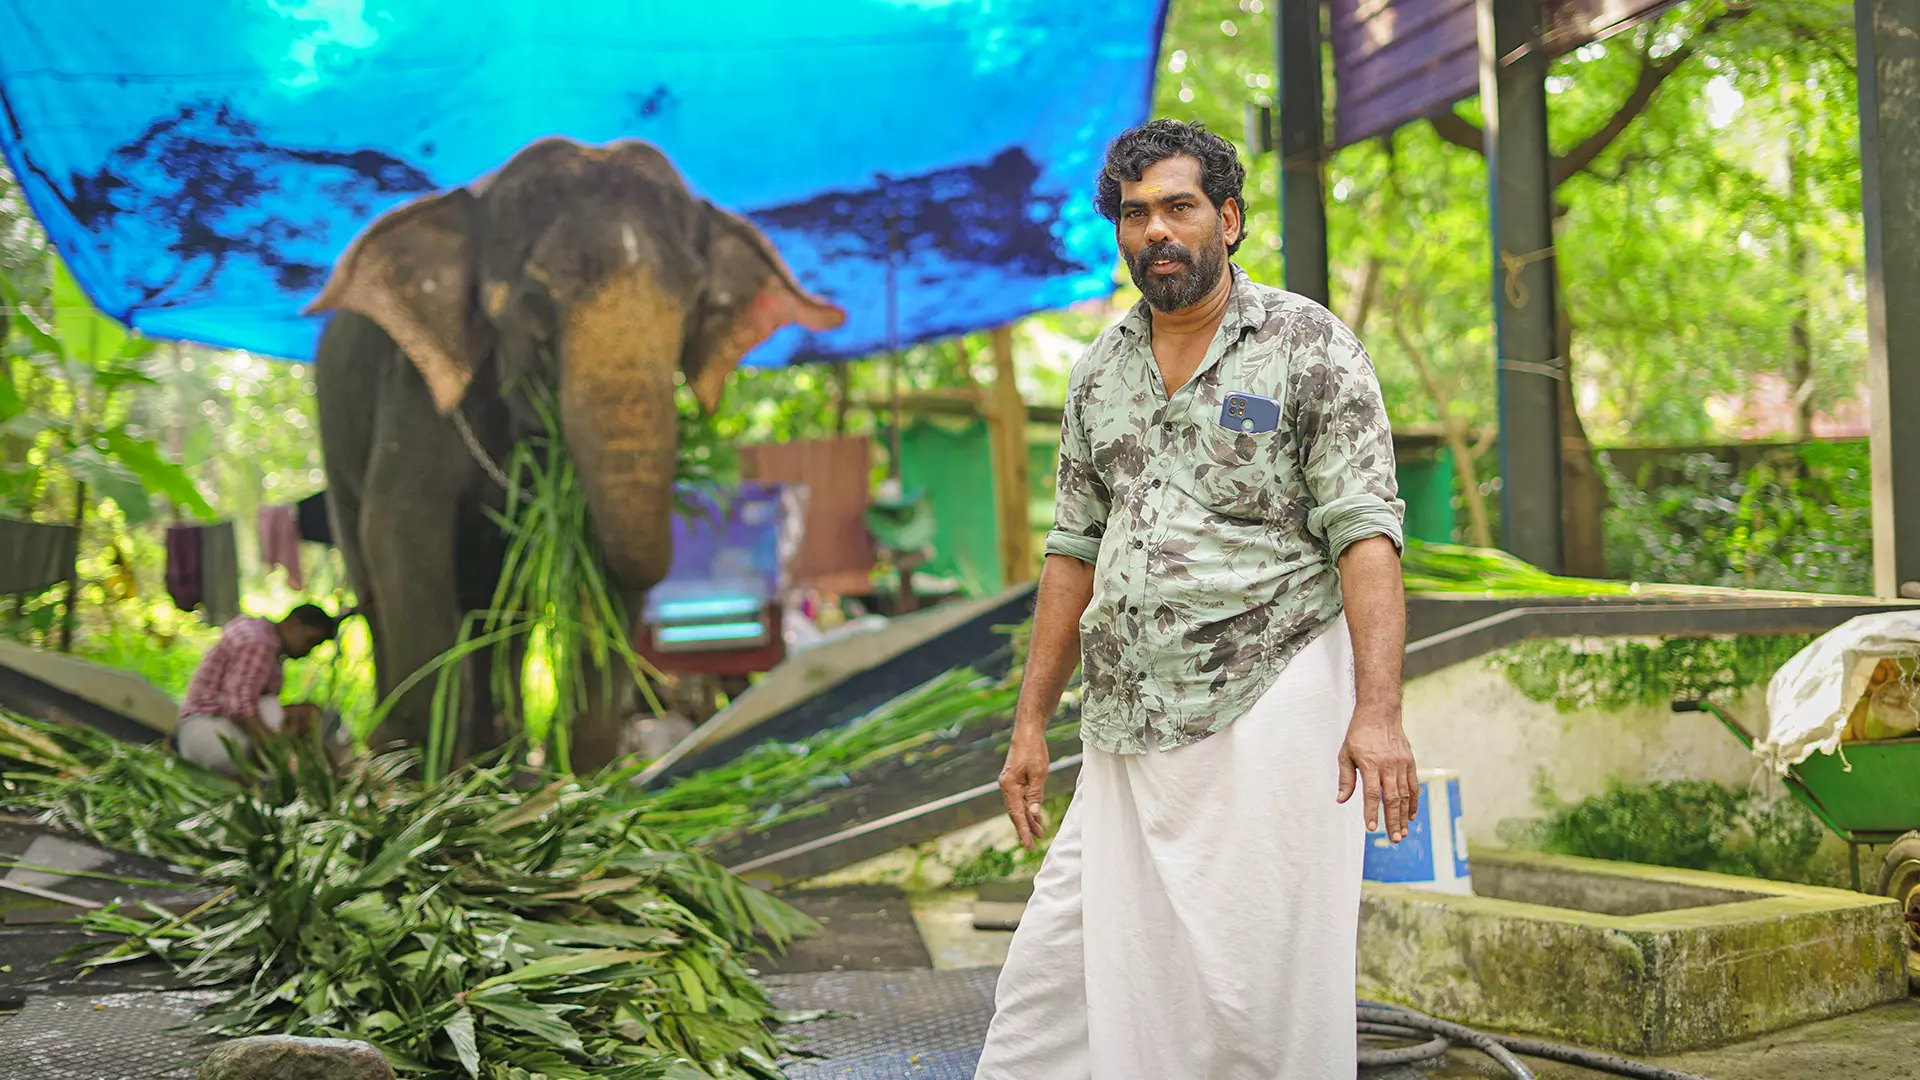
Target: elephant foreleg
(408,545)
(343,510)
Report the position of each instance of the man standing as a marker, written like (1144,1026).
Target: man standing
(1225,561)
(234,694)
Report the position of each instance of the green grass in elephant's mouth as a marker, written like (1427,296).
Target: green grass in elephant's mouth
(553,599)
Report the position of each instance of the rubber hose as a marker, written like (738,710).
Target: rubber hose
(1588,1059)
(1399,1022)
(1374,1057)
(1387,1014)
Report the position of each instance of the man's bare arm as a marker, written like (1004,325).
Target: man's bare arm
(1376,752)
(1053,651)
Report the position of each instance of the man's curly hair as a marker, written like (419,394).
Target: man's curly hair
(1137,149)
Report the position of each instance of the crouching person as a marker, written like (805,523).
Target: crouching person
(234,697)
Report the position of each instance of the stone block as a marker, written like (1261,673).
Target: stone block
(1636,959)
(286,1057)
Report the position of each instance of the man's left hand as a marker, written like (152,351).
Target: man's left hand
(1377,755)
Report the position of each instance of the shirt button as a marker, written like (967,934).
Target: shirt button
(1138,544)
(1156,481)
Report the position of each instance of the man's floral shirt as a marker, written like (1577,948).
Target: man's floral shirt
(1213,529)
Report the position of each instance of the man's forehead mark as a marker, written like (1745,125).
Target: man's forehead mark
(1152,189)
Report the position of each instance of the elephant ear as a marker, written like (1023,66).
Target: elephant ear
(749,294)
(411,271)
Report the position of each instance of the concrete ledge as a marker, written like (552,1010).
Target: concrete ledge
(1701,959)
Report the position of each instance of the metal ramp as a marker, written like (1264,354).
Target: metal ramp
(907,804)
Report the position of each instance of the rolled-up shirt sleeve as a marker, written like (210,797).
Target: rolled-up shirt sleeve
(1346,447)
(1080,498)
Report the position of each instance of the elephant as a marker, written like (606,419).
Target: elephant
(592,269)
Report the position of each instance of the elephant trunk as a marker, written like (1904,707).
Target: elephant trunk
(619,351)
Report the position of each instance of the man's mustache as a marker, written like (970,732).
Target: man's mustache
(1165,251)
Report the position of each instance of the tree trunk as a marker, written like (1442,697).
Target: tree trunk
(1800,352)
(1363,296)
(1479,528)
(842,396)
(1583,494)
(1799,326)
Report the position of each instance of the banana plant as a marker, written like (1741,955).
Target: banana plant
(86,363)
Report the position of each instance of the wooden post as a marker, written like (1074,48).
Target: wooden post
(1007,434)
(1513,95)
(1887,33)
(1303,201)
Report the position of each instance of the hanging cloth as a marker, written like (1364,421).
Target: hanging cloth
(279,533)
(183,566)
(219,574)
(315,526)
(34,557)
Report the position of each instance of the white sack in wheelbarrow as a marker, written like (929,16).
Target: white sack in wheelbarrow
(1809,699)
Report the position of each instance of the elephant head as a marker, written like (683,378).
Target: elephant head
(595,267)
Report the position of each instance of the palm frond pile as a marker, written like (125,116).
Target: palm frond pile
(465,927)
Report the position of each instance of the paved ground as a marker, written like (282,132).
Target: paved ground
(892,1017)
(1879,1044)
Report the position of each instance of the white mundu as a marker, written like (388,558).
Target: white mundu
(1195,918)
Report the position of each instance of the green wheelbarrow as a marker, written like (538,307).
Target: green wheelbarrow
(1876,804)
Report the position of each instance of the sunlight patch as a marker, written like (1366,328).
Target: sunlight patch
(341,25)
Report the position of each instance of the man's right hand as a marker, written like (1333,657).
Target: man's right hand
(1023,783)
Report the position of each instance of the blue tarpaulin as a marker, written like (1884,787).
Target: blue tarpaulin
(201,163)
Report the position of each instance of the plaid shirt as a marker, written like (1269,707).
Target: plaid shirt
(237,672)
(1215,546)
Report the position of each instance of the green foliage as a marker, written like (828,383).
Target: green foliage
(1009,863)
(465,927)
(63,408)
(1452,568)
(1672,244)
(1802,522)
(1013,862)
(166,661)
(776,783)
(1694,824)
(956,713)
(1617,674)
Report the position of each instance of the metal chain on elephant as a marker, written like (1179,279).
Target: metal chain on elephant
(485,459)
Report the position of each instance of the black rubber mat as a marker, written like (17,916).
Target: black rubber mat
(109,1037)
(888,1025)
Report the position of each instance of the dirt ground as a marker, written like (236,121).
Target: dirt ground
(1879,1044)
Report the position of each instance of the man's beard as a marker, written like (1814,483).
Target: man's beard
(1183,288)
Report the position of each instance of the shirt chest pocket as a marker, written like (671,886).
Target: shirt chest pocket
(1234,471)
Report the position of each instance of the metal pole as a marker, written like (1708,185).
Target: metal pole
(1887,33)
(1303,201)
(1513,96)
